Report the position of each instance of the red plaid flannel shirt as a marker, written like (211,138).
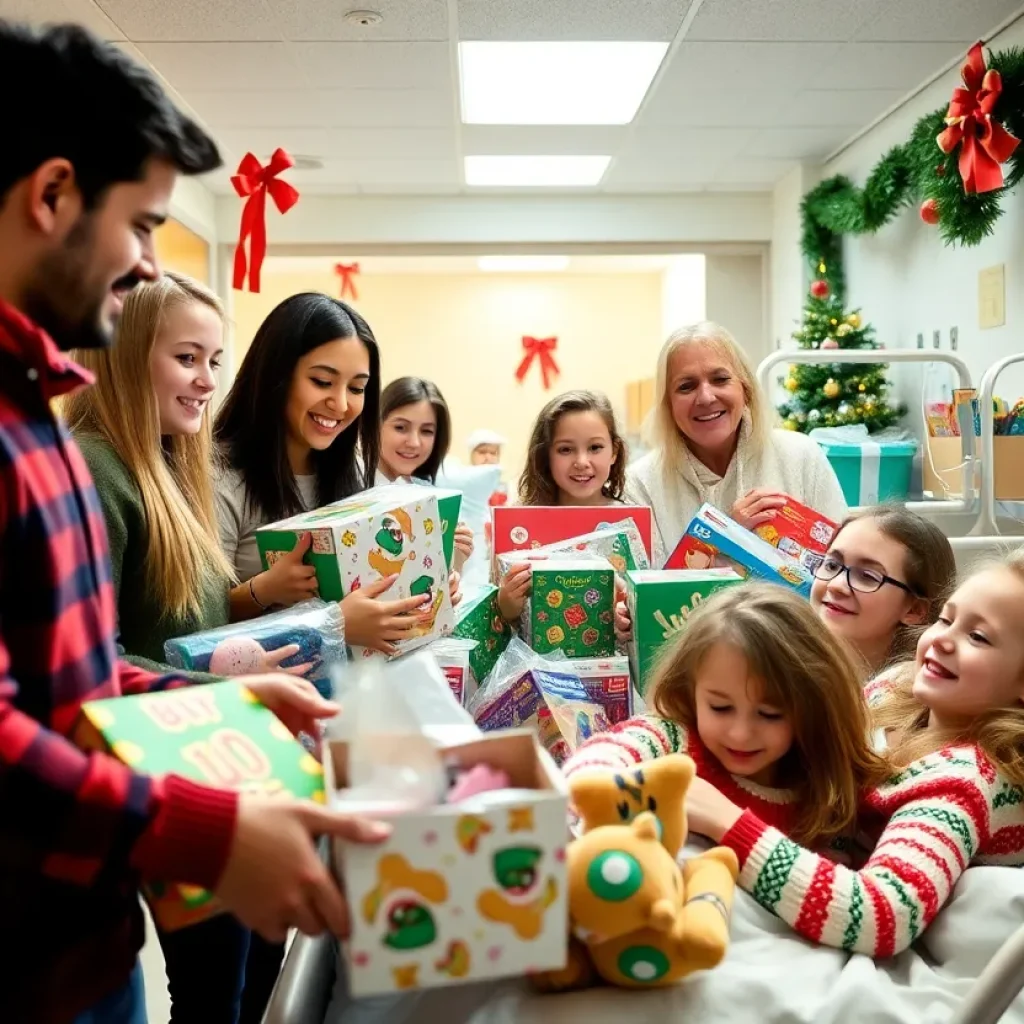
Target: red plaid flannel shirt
(77,830)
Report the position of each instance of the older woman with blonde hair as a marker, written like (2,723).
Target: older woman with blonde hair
(713,441)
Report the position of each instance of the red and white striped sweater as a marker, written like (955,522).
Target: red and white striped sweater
(648,736)
(929,822)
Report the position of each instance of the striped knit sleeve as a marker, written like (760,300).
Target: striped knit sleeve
(934,831)
(639,739)
(878,689)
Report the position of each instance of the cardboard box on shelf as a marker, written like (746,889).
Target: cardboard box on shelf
(453,896)
(660,603)
(395,530)
(945,480)
(218,733)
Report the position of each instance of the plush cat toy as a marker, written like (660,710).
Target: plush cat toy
(639,919)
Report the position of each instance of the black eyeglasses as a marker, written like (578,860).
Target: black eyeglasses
(867,581)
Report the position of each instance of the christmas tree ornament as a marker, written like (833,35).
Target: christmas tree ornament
(814,415)
(821,268)
(833,321)
(843,330)
(820,289)
(830,343)
(789,424)
(844,409)
(930,211)
(854,321)
(831,388)
(862,387)
(791,384)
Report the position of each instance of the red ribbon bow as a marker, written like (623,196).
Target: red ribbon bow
(254,181)
(986,143)
(539,348)
(347,272)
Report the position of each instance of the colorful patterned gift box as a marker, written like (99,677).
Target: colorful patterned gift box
(799,532)
(460,893)
(713,539)
(528,527)
(660,604)
(388,531)
(217,733)
(607,682)
(477,618)
(449,507)
(620,543)
(571,608)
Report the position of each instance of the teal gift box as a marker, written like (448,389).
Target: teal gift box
(871,471)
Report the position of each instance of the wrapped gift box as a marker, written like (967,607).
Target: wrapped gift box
(799,533)
(571,608)
(869,470)
(477,618)
(394,530)
(607,682)
(660,603)
(452,897)
(527,527)
(621,544)
(713,539)
(218,733)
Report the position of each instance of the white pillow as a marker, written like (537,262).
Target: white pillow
(477,484)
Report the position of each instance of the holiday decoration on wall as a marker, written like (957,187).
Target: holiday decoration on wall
(252,181)
(835,394)
(960,161)
(347,272)
(541,349)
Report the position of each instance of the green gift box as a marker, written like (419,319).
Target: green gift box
(217,733)
(660,602)
(571,608)
(396,530)
(477,618)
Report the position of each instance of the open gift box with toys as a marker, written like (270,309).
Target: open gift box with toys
(470,884)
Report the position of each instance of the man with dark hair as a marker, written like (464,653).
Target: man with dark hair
(91,151)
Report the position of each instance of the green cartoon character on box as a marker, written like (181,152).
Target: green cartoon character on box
(389,556)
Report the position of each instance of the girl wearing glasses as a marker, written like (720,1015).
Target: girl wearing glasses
(885,577)
(953,720)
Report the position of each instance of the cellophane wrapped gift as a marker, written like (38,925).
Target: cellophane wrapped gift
(242,648)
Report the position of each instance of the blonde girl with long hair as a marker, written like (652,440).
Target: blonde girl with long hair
(144,430)
(952,721)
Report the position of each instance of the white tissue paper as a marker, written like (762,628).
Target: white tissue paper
(394,717)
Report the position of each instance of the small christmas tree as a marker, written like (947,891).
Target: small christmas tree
(835,394)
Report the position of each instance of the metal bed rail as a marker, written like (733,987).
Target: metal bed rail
(965,503)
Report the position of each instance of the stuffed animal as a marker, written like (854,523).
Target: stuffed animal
(640,920)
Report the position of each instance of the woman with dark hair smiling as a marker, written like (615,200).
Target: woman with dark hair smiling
(415,434)
(299,429)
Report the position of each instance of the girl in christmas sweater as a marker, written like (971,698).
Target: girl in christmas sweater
(769,707)
(953,720)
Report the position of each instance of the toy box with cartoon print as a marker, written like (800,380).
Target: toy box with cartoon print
(660,603)
(714,540)
(218,733)
(799,533)
(453,897)
(571,608)
(381,532)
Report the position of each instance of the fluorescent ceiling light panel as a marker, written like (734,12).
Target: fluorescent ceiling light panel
(535,171)
(556,83)
(521,264)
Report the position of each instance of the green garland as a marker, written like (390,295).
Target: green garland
(908,174)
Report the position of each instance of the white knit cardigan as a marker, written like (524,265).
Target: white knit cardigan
(790,463)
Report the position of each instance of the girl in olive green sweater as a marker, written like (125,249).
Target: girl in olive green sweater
(145,434)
